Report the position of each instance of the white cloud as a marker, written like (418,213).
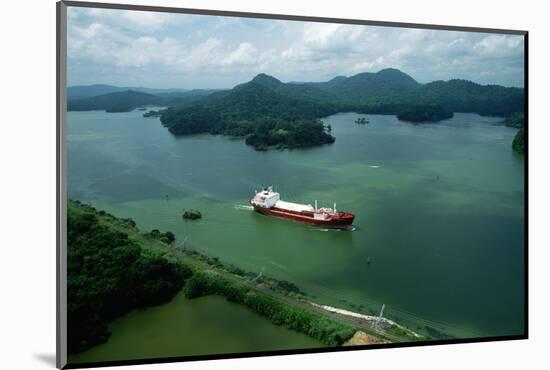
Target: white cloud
(498,45)
(225,51)
(245,54)
(376,64)
(203,54)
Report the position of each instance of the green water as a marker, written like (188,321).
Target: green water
(192,327)
(439,210)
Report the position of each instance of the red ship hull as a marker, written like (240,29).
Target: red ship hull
(341,220)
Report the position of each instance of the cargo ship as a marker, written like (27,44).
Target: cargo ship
(268,202)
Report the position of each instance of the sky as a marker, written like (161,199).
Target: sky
(165,50)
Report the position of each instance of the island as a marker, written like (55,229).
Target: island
(113,267)
(192,214)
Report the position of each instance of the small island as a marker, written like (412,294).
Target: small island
(152,114)
(425,113)
(192,214)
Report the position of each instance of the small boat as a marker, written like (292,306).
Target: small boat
(362,120)
(268,202)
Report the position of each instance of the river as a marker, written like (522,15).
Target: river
(439,226)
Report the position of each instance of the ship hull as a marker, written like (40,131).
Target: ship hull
(344,222)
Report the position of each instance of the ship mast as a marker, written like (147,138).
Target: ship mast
(315,205)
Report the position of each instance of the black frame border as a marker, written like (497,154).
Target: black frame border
(61,196)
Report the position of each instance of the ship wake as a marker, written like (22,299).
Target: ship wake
(242,207)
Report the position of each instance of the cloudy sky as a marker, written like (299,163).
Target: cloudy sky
(134,48)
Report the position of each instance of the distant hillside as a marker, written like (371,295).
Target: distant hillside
(185,97)
(118,99)
(468,96)
(124,101)
(82,92)
(384,87)
(88,91)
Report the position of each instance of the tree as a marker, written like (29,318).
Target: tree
(518,145)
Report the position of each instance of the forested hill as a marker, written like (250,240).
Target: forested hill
(116,99)
(271,113)
(115,102)
(88,91)
(253,110)
(387,86)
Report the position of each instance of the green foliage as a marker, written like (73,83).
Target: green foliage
(126,222)
(425,113)
(152,113)
(254,111)
(167,237)
(518,145)
(515,119)
(314,325)
(301,133)
(403,333)
(437,334)
(108,275)
(288,287)
(192,214)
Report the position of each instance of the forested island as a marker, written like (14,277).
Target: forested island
(268,113)
(113,268)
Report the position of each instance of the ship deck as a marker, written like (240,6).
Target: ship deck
(294,207)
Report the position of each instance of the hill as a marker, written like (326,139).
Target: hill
(383,87)
(124,101)
(255,111)
(271,113)
(467,96)
(88,91)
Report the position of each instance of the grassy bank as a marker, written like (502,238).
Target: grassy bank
(328,331)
